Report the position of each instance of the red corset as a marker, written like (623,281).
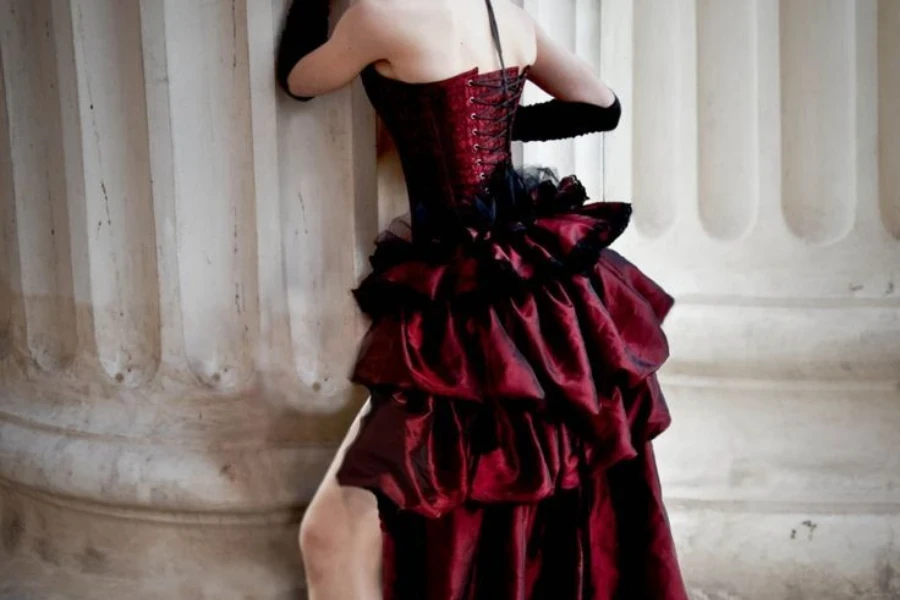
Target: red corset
(451,135)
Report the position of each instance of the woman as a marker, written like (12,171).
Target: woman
(505,451)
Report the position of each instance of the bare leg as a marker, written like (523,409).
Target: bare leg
(340,536)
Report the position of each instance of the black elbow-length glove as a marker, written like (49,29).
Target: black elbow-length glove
(305,29)
(558,119)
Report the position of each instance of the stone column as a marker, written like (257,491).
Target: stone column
(178,243)
(760,147)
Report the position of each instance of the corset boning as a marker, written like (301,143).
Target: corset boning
(453,140)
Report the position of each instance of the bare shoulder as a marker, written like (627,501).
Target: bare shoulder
(513,11)
(368,15)
(384,21)
(520,27)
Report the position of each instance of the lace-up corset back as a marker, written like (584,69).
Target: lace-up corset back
(451,135)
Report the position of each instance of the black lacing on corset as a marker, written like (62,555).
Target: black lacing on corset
(497,115)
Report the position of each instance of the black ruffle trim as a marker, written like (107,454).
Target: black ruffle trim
(505,215)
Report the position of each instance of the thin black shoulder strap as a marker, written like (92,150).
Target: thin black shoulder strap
(495,33)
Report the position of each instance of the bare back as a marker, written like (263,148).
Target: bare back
(430,40)
(440,38)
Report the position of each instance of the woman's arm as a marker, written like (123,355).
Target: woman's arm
(310,64)
(566,76)
(582,103)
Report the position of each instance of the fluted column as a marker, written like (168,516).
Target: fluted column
(759,146)
(178,243)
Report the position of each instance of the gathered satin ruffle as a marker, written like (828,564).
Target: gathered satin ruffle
(607,539)
(513,373)
(559,376)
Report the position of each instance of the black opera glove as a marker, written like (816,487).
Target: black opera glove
(305,29)
(558,119)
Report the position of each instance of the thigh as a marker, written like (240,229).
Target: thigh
(348,510)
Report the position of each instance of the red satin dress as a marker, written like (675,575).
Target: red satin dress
(512,360)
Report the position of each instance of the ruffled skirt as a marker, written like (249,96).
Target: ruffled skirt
(514,400)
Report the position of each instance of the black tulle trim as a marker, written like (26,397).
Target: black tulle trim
(503,214)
